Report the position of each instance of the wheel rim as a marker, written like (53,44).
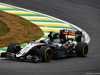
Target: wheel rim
(85,50)
(48,56)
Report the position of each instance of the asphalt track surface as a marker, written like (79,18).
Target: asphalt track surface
(82,13)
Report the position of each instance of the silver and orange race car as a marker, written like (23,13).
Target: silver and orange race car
(57,45)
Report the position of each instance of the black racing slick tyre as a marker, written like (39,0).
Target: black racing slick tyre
(46,53)
(81,49)
(13,48)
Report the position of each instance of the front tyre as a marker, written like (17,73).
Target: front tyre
(46,53)
(13,48)
(81,49)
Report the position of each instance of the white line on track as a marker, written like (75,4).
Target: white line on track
(51,23)
(2,51)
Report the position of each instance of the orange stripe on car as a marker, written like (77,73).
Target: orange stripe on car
(68,33)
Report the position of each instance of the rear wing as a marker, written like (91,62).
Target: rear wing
(77,34)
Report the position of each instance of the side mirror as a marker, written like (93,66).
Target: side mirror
(32,41)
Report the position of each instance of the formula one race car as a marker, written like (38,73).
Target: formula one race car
(56,46)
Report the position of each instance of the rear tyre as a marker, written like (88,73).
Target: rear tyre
(81,49)
(46,53)
(13,48)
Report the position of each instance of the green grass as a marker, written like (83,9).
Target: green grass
(3,28)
